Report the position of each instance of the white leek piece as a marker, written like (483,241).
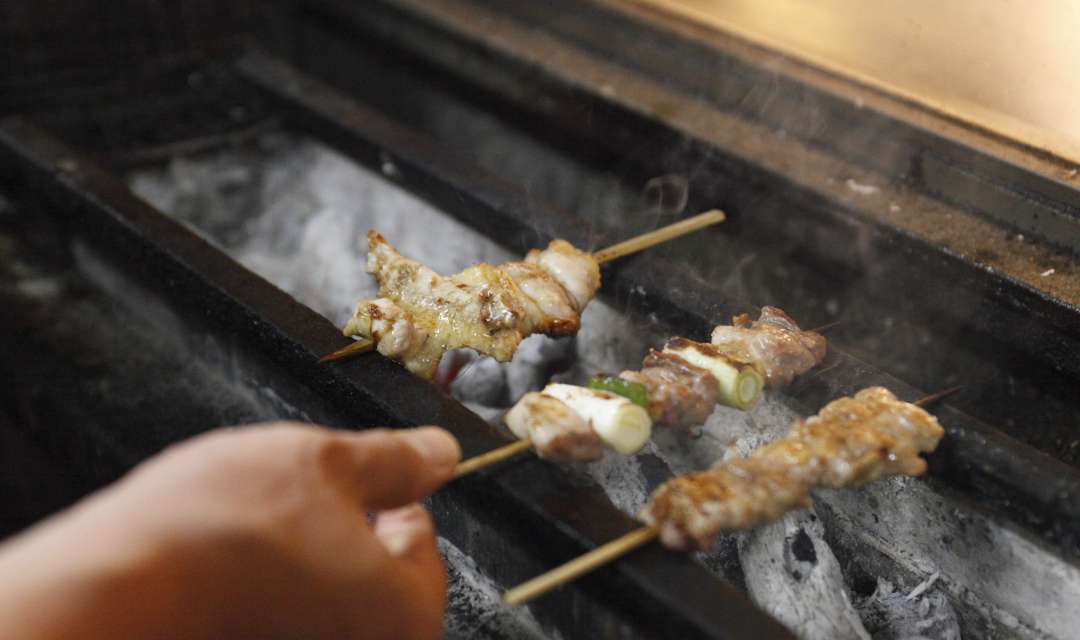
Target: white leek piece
(740,383)
(621,424)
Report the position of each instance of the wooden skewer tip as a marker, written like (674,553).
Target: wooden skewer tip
(356,348)
(826,326)
(657,236)
(922,402)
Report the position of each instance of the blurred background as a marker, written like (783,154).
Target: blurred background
(1006,65)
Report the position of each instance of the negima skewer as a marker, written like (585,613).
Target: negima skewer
(676,387)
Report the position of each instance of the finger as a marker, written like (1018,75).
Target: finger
(408,534)
(388,469)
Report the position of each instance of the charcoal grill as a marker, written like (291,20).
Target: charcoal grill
(927,237)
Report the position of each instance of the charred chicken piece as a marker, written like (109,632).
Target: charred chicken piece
(850,442)
(486,308)
(779,348)
(557,432)
(679,394)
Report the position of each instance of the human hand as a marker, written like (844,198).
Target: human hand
(252,532)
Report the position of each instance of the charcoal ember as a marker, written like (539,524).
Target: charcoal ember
(792,573)
(538,358)
(492,415)
(482,381)
(611,341)
(890,614)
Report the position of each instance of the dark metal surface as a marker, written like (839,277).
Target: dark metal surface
(1025,188)
(73,53)
(529,510)
(1002,473)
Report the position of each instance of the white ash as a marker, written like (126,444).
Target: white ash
(481,381)
(491,415)
(1019,587)
(296,213)
(538,358)
(611,341)
(622,480)
(474,606)
(923,613)
(793,575)
(923,586)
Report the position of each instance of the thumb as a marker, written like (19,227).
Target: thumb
(388,469)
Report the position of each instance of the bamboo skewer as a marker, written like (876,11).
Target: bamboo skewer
(579,566)
(476,463)
(657,236)
(356,348)
(922,402)
(625,248)
(622,545)
(364,345)
(826,326)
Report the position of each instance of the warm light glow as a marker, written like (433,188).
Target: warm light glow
(1008,65)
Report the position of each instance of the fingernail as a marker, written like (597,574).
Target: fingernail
(397,528)
(397,542)
(436,445)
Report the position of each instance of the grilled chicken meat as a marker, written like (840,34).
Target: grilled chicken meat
(395,334)
(679,393)
(686,379)
(576,271)
(486,308)
(850,442)
(777,345)
(557,432)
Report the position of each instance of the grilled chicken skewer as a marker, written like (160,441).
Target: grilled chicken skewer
(687,378)
(420,315)
(851,442)
(678,386)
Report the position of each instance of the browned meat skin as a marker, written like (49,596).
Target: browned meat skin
(850,442)
(557,432)
(680,394)
(486,308)
(578,272)
(395,334)
(549,309)
(774,343)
